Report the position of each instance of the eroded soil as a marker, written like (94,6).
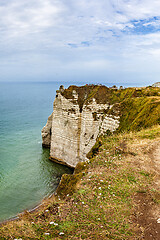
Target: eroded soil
(147,210)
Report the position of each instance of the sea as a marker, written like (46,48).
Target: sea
(26,174)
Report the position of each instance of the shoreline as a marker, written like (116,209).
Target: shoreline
(115,179)
(31,210)
(16,217)
(42,201)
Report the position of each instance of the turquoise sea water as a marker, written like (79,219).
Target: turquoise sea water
(26,174)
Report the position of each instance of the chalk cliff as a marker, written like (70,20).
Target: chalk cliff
(157,84)
(80,115)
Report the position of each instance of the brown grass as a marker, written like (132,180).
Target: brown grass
(116,197)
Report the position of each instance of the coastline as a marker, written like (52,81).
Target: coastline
(45,200)
(33,209)
(115,179)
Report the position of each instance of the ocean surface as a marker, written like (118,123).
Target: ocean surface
(26,174)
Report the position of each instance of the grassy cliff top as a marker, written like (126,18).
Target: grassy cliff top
(103,94)
(113,196)
(137,107)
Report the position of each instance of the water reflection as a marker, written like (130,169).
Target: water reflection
(33,179)
(52,170)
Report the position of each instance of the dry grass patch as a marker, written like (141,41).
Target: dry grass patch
(115,197)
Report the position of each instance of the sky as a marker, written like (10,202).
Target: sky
(95,41)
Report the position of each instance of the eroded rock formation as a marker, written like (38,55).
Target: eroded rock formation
(78,118)
(157,84)
(46,132)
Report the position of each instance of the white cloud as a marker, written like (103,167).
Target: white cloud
(104,35)
(24,17)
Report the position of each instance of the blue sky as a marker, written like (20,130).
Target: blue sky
(115,41)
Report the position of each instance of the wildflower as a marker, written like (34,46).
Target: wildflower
(99,188)
(46,233)
(51,223)
(61,233)
(82,202)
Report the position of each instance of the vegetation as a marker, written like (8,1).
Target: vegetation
(114,195)
(138,113)
(138,107)
(105,199)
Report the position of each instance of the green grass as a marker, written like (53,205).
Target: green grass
(139,113)
(97,202)
(137,108)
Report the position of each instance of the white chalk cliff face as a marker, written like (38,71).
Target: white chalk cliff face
(46,132)
(71,132)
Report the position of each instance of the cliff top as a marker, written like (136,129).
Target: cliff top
(103,94)
(138,107)
(113,196)
(157,84)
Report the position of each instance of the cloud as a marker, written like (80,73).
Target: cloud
(28,16)
(105,36)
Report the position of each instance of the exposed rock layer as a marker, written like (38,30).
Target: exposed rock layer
(73,127)
(46,132)
(157,84)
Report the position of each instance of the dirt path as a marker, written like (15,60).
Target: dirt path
(148,211)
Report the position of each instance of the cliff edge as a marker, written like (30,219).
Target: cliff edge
(80,115)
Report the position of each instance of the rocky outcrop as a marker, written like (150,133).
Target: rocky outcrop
(72,129)
(157,84)
(46,132)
